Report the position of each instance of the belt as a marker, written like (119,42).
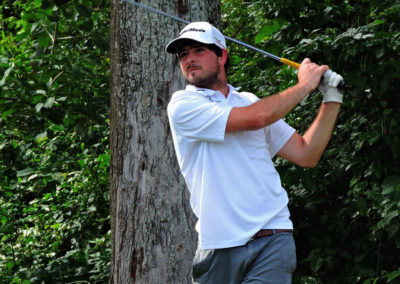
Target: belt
(268,232)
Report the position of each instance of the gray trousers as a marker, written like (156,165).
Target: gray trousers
(267,260)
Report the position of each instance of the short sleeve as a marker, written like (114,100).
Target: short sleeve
(194,116)
(277,134)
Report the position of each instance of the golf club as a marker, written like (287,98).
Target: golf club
(270,55)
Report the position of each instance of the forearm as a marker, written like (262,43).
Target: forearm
(267,110)
(317,136)
(277,106)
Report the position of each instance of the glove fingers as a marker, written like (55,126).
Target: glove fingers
(327,75)
(334,80)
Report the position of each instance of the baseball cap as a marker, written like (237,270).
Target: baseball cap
(198,31)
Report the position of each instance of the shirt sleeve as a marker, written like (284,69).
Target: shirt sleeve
(196,117)
(277,134)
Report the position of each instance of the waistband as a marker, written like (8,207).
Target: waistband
(269,232)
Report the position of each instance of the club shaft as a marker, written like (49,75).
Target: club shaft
(157,11)
(270,55)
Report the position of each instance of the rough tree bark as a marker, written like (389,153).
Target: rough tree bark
(153,236)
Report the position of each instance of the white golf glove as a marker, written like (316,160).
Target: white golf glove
(328,87)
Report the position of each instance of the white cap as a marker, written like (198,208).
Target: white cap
(198,31)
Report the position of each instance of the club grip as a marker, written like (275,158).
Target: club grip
(290,63)
(340,86)
(296,65)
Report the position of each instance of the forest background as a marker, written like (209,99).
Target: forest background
(54,135)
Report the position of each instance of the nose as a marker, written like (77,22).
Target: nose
(190,58)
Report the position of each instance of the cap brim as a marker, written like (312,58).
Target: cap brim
(172,47)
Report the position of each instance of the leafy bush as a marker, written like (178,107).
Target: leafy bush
(54,153)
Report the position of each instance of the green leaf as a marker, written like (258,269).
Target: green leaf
(41,92)
(10,265)
(47,196)
(83,10)
(316,264)
(267,31)
(102,42)
(387,219)
(235,59)
(41,136)
(44,39)
(7,113)
(56,226)
(6,74)
(50,102)
(373,137)
(25,172)
(391,184)
(378,22)
(48,11)
(354,181)
(393,275)
(362,207)
(33,176)
(37,3)
(39,106)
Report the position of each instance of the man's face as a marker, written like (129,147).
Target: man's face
(200,66)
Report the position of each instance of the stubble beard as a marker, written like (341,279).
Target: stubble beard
(205,81)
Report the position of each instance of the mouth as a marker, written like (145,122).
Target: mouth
(192,68)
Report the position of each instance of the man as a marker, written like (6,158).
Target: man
(224,141)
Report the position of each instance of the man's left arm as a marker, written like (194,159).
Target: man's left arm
(306,150)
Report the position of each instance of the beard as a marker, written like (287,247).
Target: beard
(205,80)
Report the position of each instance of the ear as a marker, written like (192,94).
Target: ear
(223,57)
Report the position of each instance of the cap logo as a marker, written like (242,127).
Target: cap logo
(193,30)
(219,43)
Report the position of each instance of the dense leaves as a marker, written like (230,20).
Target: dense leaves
(54,154)
(346,210)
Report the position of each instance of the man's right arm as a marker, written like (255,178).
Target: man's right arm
(272,108)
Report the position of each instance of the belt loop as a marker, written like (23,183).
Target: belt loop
(273,231)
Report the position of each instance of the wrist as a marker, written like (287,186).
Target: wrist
(330,107)
(302,89)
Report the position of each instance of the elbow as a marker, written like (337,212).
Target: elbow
(309,163)
(258,123)
(308,156)
(254,123)
(262,120)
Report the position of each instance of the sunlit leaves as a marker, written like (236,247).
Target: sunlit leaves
(51,188)
(267,31)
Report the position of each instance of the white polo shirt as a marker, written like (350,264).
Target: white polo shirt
(235,189)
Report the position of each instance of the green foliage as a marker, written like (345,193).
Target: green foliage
(346,211)
(54,156)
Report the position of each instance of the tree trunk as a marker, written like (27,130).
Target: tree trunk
(153,235)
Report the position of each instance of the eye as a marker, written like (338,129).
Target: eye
(199,49)
(182,54)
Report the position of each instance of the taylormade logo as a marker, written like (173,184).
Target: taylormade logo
(219,42)
(193,30)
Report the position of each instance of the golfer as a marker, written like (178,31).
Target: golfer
(224,141)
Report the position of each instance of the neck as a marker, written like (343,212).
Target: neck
(219,85)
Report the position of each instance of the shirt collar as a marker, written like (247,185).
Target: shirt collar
(209,92)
